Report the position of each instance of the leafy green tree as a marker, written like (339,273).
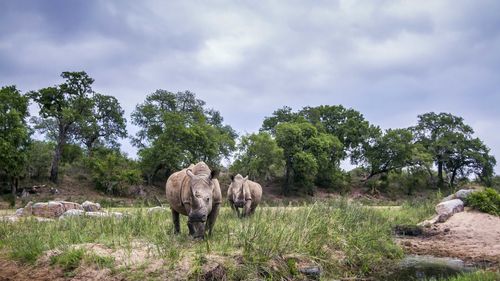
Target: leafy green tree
(259,157)
(393,150)
(177,130)
(14,134)
(61,107)
(468,156)
(306,151)
(347,124)
(39,157)
(104,126)
(281,115)
(449,140)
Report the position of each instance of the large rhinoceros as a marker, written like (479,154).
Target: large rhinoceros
(243,193)
(194,192)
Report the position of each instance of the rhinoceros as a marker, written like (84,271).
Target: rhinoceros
(243,193)
(194,192)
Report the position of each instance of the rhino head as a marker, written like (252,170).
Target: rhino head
(202,190)
(237,183)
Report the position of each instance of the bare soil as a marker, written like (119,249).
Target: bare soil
(470,236)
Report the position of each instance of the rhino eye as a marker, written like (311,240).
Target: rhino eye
(207,199)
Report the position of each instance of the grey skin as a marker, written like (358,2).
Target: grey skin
(194,192)
(244,193)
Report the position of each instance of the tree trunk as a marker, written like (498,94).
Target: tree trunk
(286,187)
(54,169)
(14,186)
(453,175)
(440,174)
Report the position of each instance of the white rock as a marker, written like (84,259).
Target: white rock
(447,209)
(448,198)
(71,205)
(91,206)
(9,218)
(157,209)
(72,213)
(464,193)
(104,214)
(430,222)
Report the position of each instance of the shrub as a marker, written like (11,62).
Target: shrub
(487,201)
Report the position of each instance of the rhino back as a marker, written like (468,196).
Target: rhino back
(256,191)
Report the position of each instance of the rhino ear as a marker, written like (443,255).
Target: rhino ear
(189,173)
(214,174)
(245,178)
(232,177)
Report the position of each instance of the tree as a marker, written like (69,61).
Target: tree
(347,124)
(259,157)
(14,134)
(468,156)
(306,150)
(449,140)
(390,151)
(61,107)
(177,130)
(105,125)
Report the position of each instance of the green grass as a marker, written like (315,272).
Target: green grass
(345,239)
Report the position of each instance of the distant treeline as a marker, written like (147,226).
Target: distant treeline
(301,149)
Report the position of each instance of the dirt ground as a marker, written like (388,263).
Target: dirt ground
(471,236)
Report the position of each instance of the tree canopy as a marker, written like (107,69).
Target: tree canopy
(14,133)
(176,130)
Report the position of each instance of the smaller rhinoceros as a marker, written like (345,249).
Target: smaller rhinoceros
(244,193)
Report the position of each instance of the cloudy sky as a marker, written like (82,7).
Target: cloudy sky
(390,60)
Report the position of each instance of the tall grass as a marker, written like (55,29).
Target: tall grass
(344,239)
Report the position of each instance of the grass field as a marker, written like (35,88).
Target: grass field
(344,239)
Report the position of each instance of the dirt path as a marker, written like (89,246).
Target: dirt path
(471,236)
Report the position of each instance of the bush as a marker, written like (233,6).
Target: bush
(113,172)
(487,201)
(39,159)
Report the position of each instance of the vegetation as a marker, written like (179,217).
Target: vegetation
(487,201)
(73,110)
(351,241)
(14,134)
(177,130)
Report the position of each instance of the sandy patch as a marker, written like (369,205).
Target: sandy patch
(471,236)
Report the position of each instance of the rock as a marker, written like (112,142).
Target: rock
(71,205)
(19,212)
(72,213)
(40,219)
(448,198)
(447,209)
(91,206)
(28,209)
(462,194)
(9,219)
(104,214)
(157,209)
(52,209)
(429,223)
(313,272)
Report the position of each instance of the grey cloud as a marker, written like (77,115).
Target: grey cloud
(391,60)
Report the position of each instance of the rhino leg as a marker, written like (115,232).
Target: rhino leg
(246,209)
(192,231)
(212,217)
(234,208)
(175,219)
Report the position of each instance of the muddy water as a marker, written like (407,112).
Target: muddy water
(426,267)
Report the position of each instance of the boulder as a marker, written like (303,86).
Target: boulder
(157,209)
(51,209)
(91,206)
(430,222)
(448,198)
(447,209)
(104,214)
(9,219)
(71,206)
(462,194)
(72,213)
